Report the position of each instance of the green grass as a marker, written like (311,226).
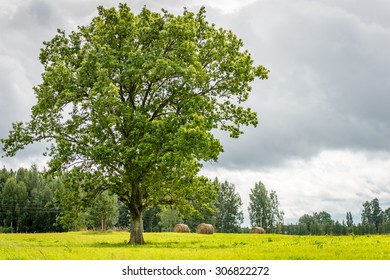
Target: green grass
(173,246)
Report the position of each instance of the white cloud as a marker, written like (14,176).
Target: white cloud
(335,181)
(328,85)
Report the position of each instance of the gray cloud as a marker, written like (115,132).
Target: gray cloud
(328,86)
(23,27)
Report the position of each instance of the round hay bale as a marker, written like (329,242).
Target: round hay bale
(258,230)
(205,229)
(181,228)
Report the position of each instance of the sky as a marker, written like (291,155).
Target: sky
(323,139)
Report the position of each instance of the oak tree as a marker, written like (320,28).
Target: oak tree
(129,103)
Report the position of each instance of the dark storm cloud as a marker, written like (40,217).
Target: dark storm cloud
(328,86)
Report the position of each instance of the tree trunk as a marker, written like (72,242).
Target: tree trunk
(137,228)
(135,208)
(104,222)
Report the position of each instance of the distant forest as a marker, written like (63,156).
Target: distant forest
(33,201)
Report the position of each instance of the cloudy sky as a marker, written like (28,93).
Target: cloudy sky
(323,140)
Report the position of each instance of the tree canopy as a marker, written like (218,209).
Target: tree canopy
(264,208)
(129,102)
(229,215)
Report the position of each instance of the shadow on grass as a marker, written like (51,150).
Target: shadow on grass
(125,244)
(97,232)
(169,244)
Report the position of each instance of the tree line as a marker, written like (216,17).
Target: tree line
(33,201)
(26,201)
(374,220)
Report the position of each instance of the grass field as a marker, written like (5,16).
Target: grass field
(173,246)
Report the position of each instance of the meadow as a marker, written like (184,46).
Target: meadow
(179,246)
